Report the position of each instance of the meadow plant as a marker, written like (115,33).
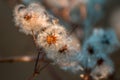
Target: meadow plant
(65,49)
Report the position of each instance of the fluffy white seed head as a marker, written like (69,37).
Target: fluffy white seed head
(104,41)
(103,70)
(55,40)
(89,57)
(52,39)
(31,18)
(101,43)
(108,40)
(60,47)
(64,49)
(71,52)
(68,60)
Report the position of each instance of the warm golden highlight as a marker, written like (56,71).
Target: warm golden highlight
(51,39)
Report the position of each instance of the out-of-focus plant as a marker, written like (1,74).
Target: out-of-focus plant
(60,45)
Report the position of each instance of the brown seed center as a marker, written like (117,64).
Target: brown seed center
(63,49)
(51,39)
(27,17)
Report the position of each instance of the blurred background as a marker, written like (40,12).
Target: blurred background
(14,43)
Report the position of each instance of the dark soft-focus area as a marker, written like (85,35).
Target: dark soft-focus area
(14,43)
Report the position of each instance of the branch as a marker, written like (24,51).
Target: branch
(20,59)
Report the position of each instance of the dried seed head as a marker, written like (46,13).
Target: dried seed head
(103,70)
(52,38)
(31,18)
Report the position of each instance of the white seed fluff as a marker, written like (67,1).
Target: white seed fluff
(104,70)
(52,39)
(60,47)
(31,18)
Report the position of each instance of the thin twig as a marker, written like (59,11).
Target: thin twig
(17,59)
(14,59)
(38,69)
(36,63)
(37,73)
(39,52)
(34,39)
(44,66)
(40,55)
